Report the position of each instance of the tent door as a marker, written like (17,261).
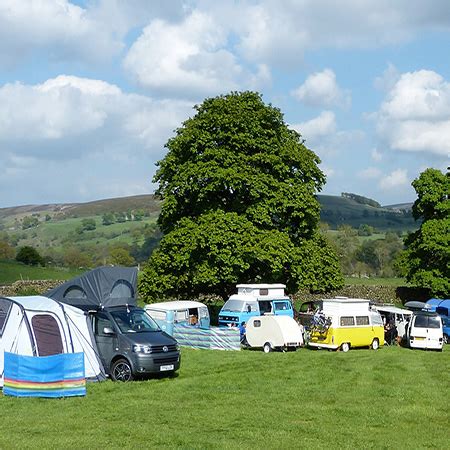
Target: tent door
(47,335)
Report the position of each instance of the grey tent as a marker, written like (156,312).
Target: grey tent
(99,288)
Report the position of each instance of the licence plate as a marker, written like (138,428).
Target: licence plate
(419,338)
(168,367)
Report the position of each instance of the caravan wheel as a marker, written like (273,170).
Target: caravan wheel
(267,347)
(121,371)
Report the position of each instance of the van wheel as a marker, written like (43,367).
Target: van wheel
(446,339)
(121,371)
(267,347)
(345,347)
(375,344)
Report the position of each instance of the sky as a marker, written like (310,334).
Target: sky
(90,91)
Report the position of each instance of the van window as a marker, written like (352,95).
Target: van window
(265,307)
(256,323)
(399,317)
(421,322)
(232,306)
(362,320)
(376,319)
(157,315)
(181,316)
(281,306)
(441,310)
(434,322)
(101,322)
(347,321)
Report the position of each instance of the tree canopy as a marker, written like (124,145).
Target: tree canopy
(239,204)
(427,256)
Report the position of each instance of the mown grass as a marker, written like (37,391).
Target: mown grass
(391,398)
(11,271)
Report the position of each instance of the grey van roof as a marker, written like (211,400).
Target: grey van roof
(99,288)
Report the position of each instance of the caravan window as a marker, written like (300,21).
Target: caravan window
(5,306)
(157,314)
(47,335)
(122,289)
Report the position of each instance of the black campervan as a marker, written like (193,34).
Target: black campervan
(129,341)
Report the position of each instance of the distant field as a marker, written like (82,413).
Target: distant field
(389,398)
(11,271)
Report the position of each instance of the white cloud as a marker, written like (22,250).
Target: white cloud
(188,59)
(415,116)
(396,179)
(321,89)
(281,32)
(322,125)
(76,132)
(369,173)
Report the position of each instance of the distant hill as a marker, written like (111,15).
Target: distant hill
(341,210)
(335,211)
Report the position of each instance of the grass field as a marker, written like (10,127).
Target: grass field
(391,398)
(11,271)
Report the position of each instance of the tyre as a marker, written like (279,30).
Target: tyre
(121,371)
(345,347)
(446,339)
(267,347)
(375,344)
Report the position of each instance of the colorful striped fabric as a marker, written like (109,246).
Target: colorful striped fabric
(47,376)
(213,338)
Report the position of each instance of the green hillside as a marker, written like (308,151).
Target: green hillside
(337,211)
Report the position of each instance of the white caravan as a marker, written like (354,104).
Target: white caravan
(273,332)
(40,326)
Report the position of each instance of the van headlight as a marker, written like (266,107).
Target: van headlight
(139,348)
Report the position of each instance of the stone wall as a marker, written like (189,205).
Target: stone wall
(28,287)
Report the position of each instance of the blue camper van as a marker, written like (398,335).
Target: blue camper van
(255,300)
(442,307)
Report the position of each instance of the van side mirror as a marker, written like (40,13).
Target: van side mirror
(249,308)
(108,330)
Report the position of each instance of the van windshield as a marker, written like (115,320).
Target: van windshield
(233,306)
(134,321)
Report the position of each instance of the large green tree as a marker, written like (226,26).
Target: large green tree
(427,255)
(239,204)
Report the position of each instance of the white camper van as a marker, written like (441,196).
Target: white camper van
(425,331)
(273,332)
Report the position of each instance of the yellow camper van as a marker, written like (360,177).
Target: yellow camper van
(350,322)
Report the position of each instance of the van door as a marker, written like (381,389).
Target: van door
(106,343)
(434,334)
(419,331)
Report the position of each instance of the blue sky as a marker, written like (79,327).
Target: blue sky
(91,90)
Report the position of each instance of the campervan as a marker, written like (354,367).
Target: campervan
(186,312)
(425,331)
(442,307)
(255,300)
(350,322)
(400,317)
(129,342)
(271,332)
